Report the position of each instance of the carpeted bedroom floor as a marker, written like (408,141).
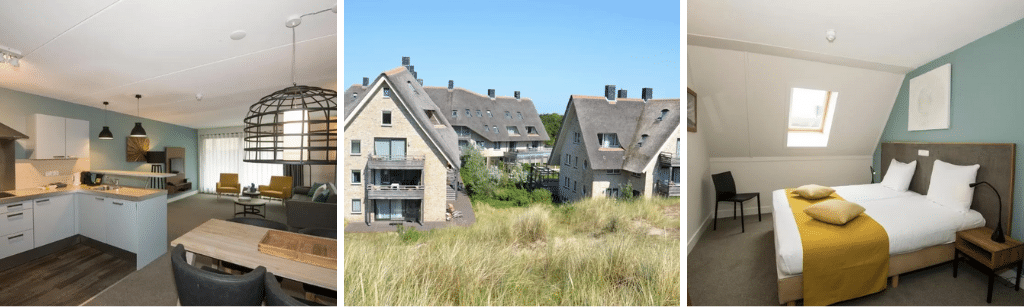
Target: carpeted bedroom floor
(727,267)
(154,284)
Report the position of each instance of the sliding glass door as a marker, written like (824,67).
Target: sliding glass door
(223,153)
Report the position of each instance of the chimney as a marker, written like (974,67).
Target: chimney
(647,93)
(517,95)
(622,93)
(609,92)
(366,81)
(451,84)
(490,92)
(420,80)
(405,61)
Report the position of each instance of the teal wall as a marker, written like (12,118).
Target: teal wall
(986,102)
(16,108)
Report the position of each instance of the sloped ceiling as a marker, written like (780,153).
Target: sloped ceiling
(743,102)
(91,51)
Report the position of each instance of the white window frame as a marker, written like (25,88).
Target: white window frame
(390,117)
(353,145)
(357,203)
(356,175)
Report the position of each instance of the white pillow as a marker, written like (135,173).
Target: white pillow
(899,174)
(950,185)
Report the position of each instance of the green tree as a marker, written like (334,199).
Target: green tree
(474,173)
(552,123)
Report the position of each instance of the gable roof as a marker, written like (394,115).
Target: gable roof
(460,99)
(628,118)
(413,97)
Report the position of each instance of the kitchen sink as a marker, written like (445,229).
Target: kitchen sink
(103,188)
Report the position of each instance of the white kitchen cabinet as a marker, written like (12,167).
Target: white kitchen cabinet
(122,224)
(58,137)
(54,219)
(15,243)
(92,217)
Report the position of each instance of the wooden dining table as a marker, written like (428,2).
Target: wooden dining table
(239,243)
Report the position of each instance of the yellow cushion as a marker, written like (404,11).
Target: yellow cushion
(834,211)
(813,191)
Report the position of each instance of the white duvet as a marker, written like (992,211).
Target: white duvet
(912,222)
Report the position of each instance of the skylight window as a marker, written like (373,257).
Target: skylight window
(810,117)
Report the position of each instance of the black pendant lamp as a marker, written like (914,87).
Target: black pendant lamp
(295,125)
(105,134)
(138,131)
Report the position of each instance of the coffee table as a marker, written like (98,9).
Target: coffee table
(253,194)
(250,206)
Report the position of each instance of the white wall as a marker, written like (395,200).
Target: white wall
(767,174)
(700,193)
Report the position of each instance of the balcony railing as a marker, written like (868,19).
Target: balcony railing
(394,191)
(666,187)
(668,159)
(528,155)
(396,161)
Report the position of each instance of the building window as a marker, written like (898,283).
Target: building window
(536,144)
(357,177)
(643,138)
(495,129)
(613,192)
(385,118)
(584,190)
(612,172)
(520,114)
(531,130)
(354,96)
(468,114)
(584,164)
(355,148)
(387,92)
(575,137)
(637,175)
(434,118)
(608,140)
(576,164)
(512,130)
(357,206)
(810,117)
(489,114)
(478,114)
(455,113)
(507,115)
(574,186)
(487,129)
(566,159)
(409,83)
(663,113)
(481,144)
(497,145)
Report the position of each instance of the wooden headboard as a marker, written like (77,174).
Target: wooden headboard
(997,168)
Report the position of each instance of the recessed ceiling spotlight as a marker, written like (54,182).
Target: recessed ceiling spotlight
(293,21)
(830,35)
(237,35)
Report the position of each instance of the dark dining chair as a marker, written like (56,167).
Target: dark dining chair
(197,287)
(725,190)
(277,297)
(258,222)
(311,289)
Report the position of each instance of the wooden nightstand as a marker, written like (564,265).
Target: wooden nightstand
(978,246)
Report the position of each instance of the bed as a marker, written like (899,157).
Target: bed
(921,233)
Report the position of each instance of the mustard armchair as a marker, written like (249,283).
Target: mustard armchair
(228,184)
(280,187)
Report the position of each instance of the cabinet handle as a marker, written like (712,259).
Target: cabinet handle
(117,203)
(99,198)
(15,237)
(43,200)
(16,214)
(12,206)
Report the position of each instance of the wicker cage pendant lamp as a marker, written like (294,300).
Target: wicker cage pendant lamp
(295,125)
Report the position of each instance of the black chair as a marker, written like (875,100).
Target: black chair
(725,190)
(197,287)
(258,222)
(277,297)
(323,233)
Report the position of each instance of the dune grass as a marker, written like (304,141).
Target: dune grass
(593,252)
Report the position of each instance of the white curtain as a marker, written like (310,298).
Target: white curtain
(223,153)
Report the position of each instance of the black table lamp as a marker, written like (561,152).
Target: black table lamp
(997,235)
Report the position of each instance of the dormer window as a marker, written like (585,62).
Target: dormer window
(663,113)
(489,114)
(432,115)
(354,96)
(411,87)
(608,140)
(507,115)
(478,114)
(487,129)
(495,129)
(810,117)
(531,130)
(520,115)
(455,113)
(468,114)
(387,92)
(512,130)
(643,138)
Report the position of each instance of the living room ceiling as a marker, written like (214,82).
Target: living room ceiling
(906,33)
(90,51)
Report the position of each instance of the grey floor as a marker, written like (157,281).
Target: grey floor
(154,284)
(727,267)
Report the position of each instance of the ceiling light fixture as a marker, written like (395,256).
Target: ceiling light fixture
(138,131)
(295,125)
(10,56)
(830,35)
(106,134)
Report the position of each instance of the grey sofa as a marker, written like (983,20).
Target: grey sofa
(302,212)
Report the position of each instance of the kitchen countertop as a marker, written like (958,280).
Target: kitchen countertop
(125,193)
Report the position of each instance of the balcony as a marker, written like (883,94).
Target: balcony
(394,191)
(531,155)
(668,159)
(667,188)
(396,162)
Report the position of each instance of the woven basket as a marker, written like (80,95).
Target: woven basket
(322,252)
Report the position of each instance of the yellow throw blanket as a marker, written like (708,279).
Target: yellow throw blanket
(840,262)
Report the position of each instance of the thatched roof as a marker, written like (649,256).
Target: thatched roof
(629,119)
(460,99)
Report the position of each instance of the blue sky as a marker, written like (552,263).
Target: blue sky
(547,50)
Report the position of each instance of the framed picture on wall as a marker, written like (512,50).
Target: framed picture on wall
(929,100)
(691,110)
